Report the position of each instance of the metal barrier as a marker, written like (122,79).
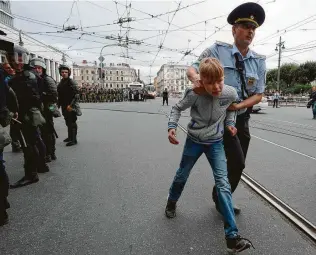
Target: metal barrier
(291,102)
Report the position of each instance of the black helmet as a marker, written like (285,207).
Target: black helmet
(18,55)
(38,62)
(64,67)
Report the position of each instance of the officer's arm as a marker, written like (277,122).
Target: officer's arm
(75,88)
(52,89)
(193,70)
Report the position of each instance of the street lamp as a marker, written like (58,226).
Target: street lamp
(101,58)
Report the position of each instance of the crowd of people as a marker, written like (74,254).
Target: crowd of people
(97,94)
(30,100)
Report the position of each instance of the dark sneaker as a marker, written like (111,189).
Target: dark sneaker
(66,140)
(170,210)
(237,244)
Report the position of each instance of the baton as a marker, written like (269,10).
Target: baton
(22,137)
(55,133)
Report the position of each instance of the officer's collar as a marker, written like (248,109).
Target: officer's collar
(249,53)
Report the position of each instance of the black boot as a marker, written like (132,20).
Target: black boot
(67,140)
(170,210)
(48,158)
(24,182)
(43,169)
(73,136)
(53,156)
(237,244)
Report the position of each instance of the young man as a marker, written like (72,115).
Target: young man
(205,135)
(68,100)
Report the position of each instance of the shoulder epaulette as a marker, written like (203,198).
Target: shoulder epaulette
(224,44)
(258,55)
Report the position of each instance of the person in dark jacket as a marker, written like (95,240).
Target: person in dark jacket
(68,100)
(312,102)
(165,97)
(25,86)
(8,109)
(48,91)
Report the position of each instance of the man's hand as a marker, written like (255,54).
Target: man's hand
(234,107)
(172,136)
(16,116)
(69,108)
(232,130)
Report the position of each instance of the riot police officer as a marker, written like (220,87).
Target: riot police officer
(25,86)
(68,100)
(8,110)
(48,90)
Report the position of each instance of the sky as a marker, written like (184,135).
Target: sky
(195,26)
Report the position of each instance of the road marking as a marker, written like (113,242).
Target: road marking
(290,122)
(283,147)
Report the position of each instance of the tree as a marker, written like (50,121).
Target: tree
(306,73)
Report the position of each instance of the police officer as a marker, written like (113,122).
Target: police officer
(165,96)
(8,109)
(48,90)
(68,100)
(245,70)
(25,86)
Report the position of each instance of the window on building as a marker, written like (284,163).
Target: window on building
(106,72)
(122,86)
(92,72)
(110,72)
(110,78)
(81,77)
(182,87)
(111,85)
(87,71)
(117,78)
(81,71)
(122,72)
(182,82)
(117,72)
(87,78)
(106,85)
(106,78)
(122,78)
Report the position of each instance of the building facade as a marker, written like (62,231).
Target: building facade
(111,76)
(173,77)
(52,56)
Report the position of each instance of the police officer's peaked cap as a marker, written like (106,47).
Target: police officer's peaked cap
(247,13)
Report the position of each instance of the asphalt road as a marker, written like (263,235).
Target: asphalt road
(107,195)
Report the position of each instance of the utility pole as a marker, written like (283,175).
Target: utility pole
(63,59)
(279,47)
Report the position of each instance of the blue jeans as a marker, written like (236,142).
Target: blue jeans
(314,110)
(216,157)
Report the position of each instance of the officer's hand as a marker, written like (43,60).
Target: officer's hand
(234,107)
(172,136)
(232,130)
(198,87)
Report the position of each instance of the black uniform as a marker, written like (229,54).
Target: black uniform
(68,95)
(8,103)
(48,90)
(26,88)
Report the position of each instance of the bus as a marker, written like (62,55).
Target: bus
(135,86)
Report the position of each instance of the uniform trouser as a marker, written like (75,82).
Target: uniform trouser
(165,99)
(70,119)
(236,148)
(215,155)
(15,135)
(4,188)
(34,151)
(48,135)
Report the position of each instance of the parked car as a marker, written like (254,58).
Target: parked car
(263,105)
